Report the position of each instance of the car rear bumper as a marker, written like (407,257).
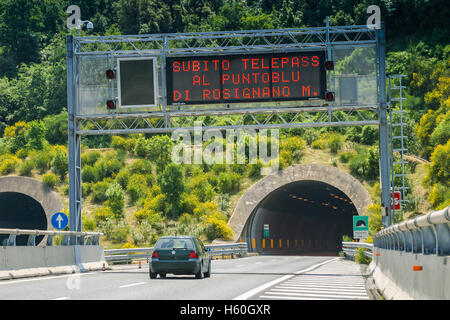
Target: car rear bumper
(175,266)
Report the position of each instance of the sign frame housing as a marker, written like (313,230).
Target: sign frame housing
(155,82)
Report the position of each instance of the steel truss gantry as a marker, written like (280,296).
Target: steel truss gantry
(312,113)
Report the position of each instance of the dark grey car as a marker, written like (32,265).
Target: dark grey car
(180,255)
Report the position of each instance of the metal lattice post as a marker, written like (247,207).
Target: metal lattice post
(383,129)
(397,136)
(74,141)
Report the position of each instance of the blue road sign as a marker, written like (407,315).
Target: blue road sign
(60,220)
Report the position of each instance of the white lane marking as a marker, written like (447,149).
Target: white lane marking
(259,262)
(48,277)
(132,284)
(61,298)
(311,295)
(256,290)
(241,265)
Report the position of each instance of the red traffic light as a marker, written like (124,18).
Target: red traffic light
(110,104)
(110,74)
(329,65)
(329,96)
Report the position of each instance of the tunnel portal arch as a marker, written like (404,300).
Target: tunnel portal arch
(284,191)
(26,203)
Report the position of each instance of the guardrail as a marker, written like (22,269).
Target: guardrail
(129,254)
(67,237)
(427,234)
(350,248)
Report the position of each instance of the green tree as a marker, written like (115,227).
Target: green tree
(60,163)
(172,184)
(116,199)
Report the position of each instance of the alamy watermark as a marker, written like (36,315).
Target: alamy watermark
(230,146)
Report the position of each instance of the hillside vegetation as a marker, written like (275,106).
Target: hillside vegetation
(131,189)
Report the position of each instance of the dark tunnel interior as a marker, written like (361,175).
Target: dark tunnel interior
(305,217)
(17,210)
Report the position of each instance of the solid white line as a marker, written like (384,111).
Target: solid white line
(317,291)
(132,284)
(61,298)
(311,295)
(294,298)
(48,277)
(256,290)
(311,285)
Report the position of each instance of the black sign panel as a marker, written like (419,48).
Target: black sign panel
(137,82)
(246,78)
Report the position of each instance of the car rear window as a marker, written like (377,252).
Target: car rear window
(170,243)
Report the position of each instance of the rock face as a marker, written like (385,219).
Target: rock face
(316,172)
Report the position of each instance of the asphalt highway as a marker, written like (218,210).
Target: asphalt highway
(242,278)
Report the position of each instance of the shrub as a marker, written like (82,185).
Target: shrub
(98,191)
(116,231)
(26,167)
(102,214)
(369,135)
(60,163)
(345,156)
(228,182)
(346,238)
(122,177)
(50,180)
(118,142)
(8,164)
(200,186)
(107,167)
(136,187)
(89,224)
(22,153)
(90,158)
(140,148)
(254,170)
(360,256)
(330,140)
(172,184)
(216,228)
(89,174)
(116,199)
(294,145)
(41,159)
(141,166)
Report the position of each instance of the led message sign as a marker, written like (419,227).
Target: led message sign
(246,78)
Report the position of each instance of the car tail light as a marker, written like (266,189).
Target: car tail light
(155,255)
(193,255)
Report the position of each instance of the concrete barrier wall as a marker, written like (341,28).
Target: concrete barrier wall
(396,279)
(23,261)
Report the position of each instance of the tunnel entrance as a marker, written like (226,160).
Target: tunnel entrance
(305,217)
(18,210)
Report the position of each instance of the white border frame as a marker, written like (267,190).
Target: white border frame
(155,82)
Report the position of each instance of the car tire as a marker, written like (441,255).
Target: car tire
(200,274)
(152,275)
(208,273)
(162,275)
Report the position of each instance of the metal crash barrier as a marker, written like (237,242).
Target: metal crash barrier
(139,254)
(66,237)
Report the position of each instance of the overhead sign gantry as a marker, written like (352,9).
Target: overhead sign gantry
(259,79)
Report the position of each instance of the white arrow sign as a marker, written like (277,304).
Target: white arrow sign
(59,218)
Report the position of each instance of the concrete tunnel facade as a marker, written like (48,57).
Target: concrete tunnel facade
(26,203)
(307,209)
